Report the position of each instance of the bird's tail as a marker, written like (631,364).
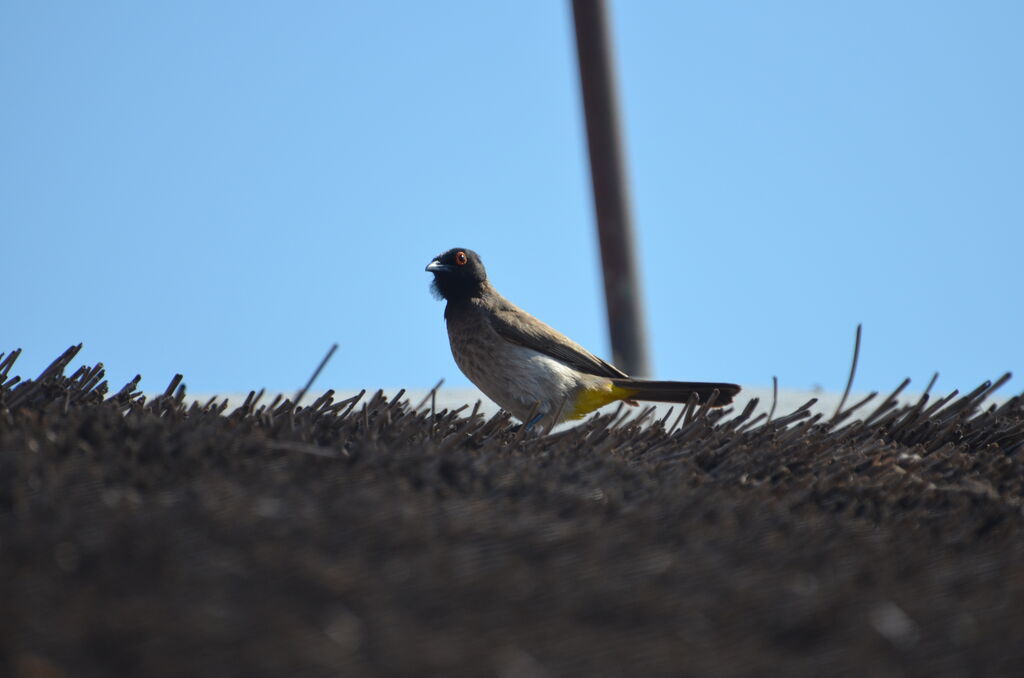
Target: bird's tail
(676,391)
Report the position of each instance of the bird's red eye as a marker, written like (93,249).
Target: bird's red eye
(461,258)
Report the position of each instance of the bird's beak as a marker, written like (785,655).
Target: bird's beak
(436,267)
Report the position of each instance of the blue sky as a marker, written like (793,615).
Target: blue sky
(224,189)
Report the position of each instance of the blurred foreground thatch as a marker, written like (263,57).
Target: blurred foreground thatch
(369,537)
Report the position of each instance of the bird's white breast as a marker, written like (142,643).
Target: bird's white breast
(517,377)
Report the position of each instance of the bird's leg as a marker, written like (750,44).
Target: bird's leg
(537,417)
(533,417)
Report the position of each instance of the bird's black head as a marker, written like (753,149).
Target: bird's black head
(458,274)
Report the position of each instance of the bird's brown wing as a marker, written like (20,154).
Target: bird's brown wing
(519,327)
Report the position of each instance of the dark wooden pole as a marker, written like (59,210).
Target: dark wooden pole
(626,323)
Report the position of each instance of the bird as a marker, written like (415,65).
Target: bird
(528,368)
